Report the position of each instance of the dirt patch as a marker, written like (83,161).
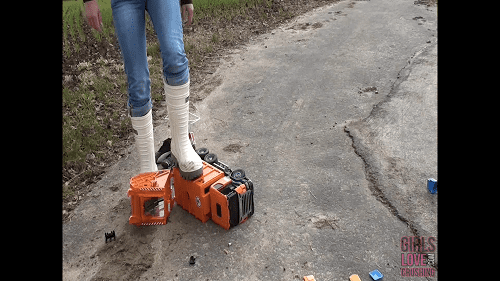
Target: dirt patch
(89,51)
(130,254)
(317,25)
(428,3)
(307,25)
(323,221)
(372,89)
(120,258)
(234,147)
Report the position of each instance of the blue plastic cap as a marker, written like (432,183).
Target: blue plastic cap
(432,185)
(376,275)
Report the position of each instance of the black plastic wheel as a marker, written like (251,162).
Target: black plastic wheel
(165,147)
(165,160)
(202,152)
(210,158)
(237,174)
(167,163)
(162,157)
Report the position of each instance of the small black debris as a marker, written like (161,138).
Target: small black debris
(192,260)
(109,236)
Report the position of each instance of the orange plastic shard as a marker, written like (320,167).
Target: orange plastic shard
(151,198)
(354,277)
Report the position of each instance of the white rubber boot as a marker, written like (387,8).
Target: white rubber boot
(145,142)
(188,161)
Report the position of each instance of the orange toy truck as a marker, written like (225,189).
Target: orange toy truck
(220,194)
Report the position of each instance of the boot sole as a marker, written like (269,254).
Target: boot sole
(188,175)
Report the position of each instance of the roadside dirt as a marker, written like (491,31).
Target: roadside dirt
(203,63)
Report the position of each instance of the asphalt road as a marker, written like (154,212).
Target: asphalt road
(334,119)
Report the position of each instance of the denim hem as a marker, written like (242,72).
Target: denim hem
(177,80)
(140,111)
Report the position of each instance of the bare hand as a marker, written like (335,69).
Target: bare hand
(187,8)
(93,14)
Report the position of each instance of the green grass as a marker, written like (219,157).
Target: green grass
(73,19)
(226,9)
(81,121)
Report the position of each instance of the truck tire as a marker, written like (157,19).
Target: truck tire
(237,175)
(210,158)
(202,152)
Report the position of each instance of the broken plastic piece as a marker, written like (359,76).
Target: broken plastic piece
(376,275)
(354,277)
(192,260)
(150,197)
(432,185)
(309,278)
(109,236)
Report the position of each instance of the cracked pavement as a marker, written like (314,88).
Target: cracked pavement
(334,117)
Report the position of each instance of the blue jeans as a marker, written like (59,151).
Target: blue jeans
(130,27)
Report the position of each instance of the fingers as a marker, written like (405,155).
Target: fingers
(93,14)
(90,21)
(95,21)
(187,9)
(183,12)
(190,17)
(99,18)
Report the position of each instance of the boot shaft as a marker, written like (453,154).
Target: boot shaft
(144,140)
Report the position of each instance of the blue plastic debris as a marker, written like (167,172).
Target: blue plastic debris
(376,275)
(432,185)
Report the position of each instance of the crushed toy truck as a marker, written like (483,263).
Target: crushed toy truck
(220,194)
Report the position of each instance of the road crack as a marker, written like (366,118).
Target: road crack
(372,168)
(373,183)
(375,187)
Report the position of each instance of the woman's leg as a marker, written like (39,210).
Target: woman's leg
(129,21)
(166,18)
(130,28)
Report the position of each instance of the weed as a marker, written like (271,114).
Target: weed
(153,50)
(209,48)
(215,38)
(90,120)
(188,46)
